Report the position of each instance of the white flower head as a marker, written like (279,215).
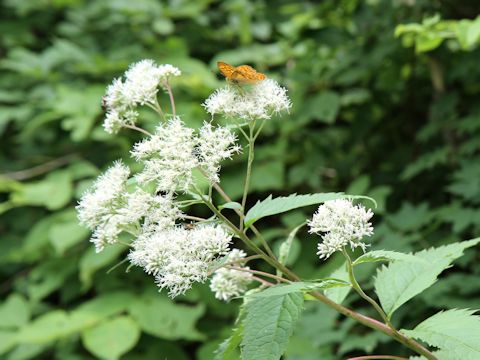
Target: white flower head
(166,71)
(142,82)
(168,157)
(115,97)
(108,232)
(157,211)
(114,121)
(261,101)
(215,145)
(140,87)
(106,193)
(228,283)
(340,223)
(178,257)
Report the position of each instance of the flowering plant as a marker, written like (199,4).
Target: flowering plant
(147,211)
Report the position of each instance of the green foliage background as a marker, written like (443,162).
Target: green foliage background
(394,118)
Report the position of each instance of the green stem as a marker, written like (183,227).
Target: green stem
(156,106)
(136,128)
(241,214)
(356,286)
(251,149)
(261,273)
(172,100)
(194,218)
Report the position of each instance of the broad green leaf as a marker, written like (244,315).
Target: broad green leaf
(53,192)
(46,328)
(160,316)
(385,255)
(57,324)
(75,104)
(228,350)
(398,282)
(339,294)
(427,41)
(27,351)
(296,287)
(98,309)
(91,262)
(49,276)
(14,312)
(269,323)
(67,232)
(457,331)
(113,338)
(8,339)
(272,206)
(326,105)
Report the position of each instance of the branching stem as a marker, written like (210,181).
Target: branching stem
(172,100)
(261,273)
(356,286)
(136,128)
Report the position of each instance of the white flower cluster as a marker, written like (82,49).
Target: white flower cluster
(178,257)
(140,87)
(167,157)
(228,283)
(341,223)
(108,208)
(264,99)
(170,155)
(213,146)
(116,206)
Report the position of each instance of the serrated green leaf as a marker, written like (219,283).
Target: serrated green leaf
(269,323)
(296,287)
(113,338)
(160,316)
(443,354)
(272,206)
(398,282)
(385,255)
(457,331)
(228,350)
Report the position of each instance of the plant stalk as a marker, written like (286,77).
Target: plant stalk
(359,290)
(251,148)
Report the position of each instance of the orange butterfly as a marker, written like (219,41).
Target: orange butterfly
(242,74)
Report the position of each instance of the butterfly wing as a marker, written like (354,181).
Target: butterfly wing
(245,74)
(226,69)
